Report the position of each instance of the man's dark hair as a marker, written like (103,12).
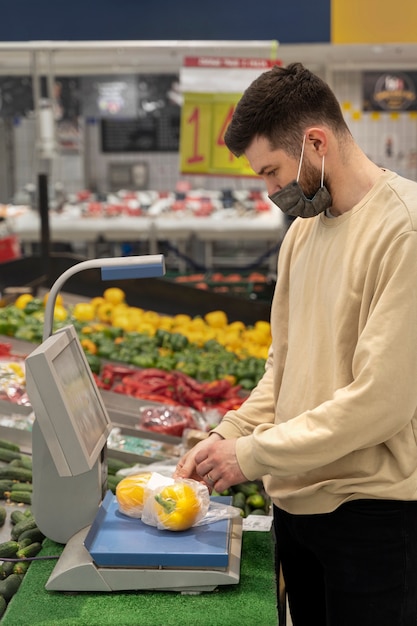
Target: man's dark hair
(279,105)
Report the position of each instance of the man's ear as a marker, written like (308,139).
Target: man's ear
(317,138)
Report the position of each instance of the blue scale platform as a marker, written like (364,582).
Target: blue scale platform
(116,540)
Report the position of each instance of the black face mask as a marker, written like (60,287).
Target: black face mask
(292,200)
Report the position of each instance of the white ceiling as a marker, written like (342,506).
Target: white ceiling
(78,58)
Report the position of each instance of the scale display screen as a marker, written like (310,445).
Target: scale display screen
(80,396)
(67,403)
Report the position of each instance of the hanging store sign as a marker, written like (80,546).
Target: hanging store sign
(211,89)
(389,91)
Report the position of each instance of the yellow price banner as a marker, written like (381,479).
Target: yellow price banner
(204,120)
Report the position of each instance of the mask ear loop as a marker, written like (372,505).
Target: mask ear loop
(322,172)
(301,158)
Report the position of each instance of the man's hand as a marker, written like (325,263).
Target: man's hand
(212,461)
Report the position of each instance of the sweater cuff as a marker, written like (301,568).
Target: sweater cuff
(245,457)
(226,430)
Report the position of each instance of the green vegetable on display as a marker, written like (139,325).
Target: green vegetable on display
(249,497)
(205,360)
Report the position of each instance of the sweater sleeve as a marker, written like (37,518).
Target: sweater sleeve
(256,410)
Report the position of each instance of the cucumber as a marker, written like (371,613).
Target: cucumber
(22,497)
(20,527)
(16,486)
(3,606)
(4,443)
(34,534)
(31,550)
(114,465)
(23,461)
(5,485)
(8,455)
(17,516)
(8,549)
(21,567)
(26,461)
(112,482)
(23,543)
(9,586)
(16,473)
(8,568)
(3,515)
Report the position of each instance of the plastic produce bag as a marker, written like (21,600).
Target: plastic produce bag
(130,493)
(176,506)
(169,504)
(170,420)
(181,504)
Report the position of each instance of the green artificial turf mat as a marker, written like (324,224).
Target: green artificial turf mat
(250,603)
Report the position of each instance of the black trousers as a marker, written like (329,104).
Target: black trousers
(356,566)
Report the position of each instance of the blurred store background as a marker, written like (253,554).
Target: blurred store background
(92,97)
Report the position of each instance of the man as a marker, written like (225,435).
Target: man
(331,427)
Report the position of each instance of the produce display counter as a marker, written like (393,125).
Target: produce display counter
(71,228)
(142,446)
(185,230)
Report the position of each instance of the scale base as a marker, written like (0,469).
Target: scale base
(76,571)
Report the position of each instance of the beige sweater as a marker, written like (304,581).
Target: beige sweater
(335,416)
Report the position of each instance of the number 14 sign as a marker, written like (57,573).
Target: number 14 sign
(204,120)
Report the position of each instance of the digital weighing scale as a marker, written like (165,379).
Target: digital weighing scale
(105,550)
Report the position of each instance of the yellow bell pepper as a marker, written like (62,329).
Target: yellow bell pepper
(130,493)
(177,506)
(84,312)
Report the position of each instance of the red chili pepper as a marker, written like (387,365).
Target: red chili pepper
(229,404)
(191,382)
(234,391)
(150,372)
(198,405)
(154,397)
(216,388)
(117,370)
(187,395)
(102,384)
